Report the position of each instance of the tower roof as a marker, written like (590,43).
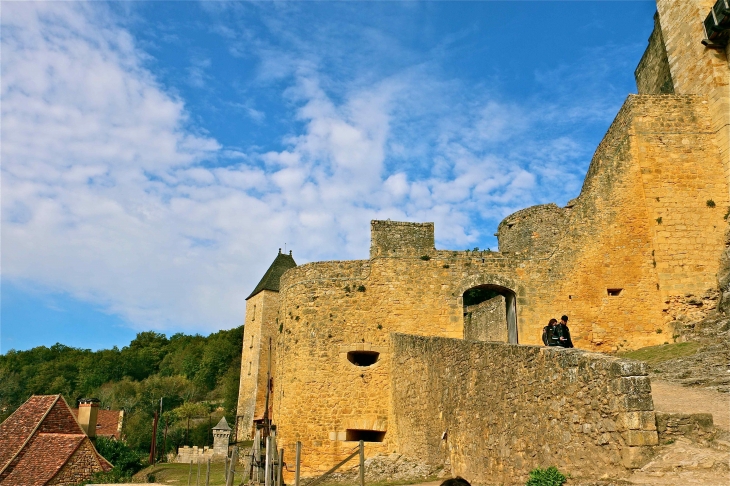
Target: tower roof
(270,280)
(222,425)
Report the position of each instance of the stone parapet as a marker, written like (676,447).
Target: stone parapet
(497,411)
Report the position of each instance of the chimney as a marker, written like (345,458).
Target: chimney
(88,411)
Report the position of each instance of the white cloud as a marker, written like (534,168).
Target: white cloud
(109,192)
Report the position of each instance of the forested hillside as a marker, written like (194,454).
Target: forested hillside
(197,378)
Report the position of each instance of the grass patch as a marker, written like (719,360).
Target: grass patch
(174,473)
(665,352)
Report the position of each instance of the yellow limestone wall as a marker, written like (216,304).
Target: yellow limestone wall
(660,147)
(642,224)
(695,68)
(260,324)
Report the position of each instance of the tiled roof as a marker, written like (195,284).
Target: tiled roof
(107,422)
(17,429)
(38,439)
(270,280)
(46,454)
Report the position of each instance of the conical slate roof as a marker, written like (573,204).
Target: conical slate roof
(270,280)
(222,425)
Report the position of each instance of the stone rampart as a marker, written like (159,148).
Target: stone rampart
(652,74)
(395,238)
(536,230)
(497,411)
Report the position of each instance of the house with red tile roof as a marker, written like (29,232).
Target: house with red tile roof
(41,443)
(108,422)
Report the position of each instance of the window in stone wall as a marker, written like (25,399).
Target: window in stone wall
(614,292)
(363,358)
(364,435)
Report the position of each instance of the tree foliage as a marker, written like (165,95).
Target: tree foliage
(194,376)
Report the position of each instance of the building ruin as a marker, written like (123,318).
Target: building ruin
(386,351)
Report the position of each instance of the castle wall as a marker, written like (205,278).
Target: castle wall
(616,265)
(486,321)
(497,411)
(260,324)
(653,75)
(536,230)
(695,68)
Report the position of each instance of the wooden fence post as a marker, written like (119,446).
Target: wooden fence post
(232,469)
(197,483)
(362,463)
(297,462)
(190,472)
(207,474)
(280,478)
(267,470)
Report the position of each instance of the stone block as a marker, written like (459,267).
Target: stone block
(637,420)
(635,457)
(641,437)
(632,385)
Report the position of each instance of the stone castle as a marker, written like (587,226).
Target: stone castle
(414,350)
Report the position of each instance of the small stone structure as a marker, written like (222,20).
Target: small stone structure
(486,321)
(219,451)
(221,438)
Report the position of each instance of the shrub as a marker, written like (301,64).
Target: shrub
(361,288)
(425,257)
(119,454)
(659,220)
(710,203)
(546,477)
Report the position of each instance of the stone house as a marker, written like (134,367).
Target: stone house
(41,443)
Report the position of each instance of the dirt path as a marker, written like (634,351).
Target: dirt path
(670,397)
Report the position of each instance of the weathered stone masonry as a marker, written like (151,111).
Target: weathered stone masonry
(496,411)
(644,237)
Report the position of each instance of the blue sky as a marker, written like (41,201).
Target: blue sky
(155,155)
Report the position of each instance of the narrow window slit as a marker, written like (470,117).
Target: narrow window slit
(364,435)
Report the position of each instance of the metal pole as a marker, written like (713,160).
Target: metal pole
(298,461)
(267,472)
(362,463)
(207,474)
(279,479)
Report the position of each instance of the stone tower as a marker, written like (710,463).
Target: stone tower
(221,438)
(260,327)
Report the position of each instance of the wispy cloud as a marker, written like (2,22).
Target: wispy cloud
(111,193)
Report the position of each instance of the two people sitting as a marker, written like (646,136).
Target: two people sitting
(557,334)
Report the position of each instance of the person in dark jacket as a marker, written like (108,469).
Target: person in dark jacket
(547,333)
(563,333)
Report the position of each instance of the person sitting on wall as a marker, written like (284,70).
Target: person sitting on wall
(548,332)
(563,333)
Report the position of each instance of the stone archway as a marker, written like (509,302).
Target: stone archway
(490,308)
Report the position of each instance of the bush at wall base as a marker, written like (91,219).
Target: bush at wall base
(546,477)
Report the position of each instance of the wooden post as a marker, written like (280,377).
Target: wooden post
(267,471)
(297,462)
(232,469)
(226,467)
(362,463)
(197,483)
(207,474)
(190,472)
(280,469)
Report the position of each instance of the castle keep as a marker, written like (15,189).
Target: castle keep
(393,349)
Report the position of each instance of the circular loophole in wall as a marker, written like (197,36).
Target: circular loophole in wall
(363,358)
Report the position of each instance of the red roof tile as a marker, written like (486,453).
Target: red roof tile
(38,439)
(17,429)
(45,456)
(107,422)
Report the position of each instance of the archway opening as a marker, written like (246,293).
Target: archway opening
(490,314)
